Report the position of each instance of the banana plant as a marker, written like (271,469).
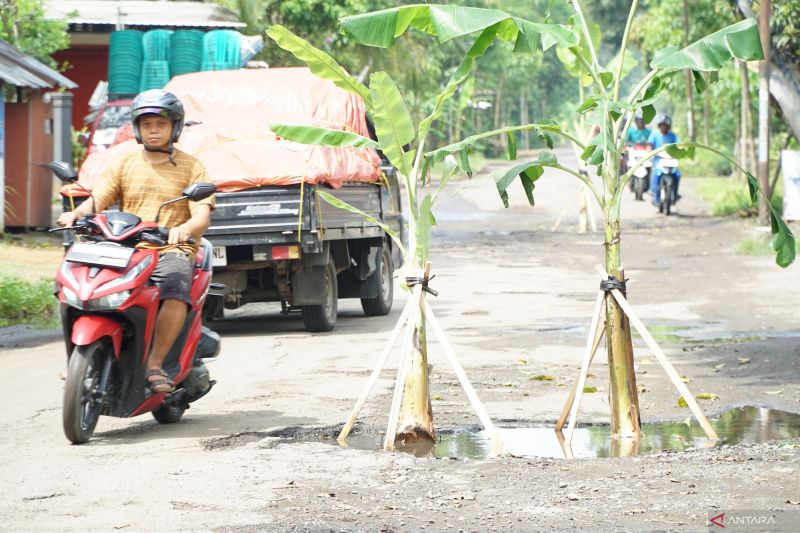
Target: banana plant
(403,142)
(576,42)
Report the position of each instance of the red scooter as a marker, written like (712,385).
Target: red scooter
(108,314)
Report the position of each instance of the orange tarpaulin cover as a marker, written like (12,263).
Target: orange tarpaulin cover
(232,110)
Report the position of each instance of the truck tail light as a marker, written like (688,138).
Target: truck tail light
(282,253)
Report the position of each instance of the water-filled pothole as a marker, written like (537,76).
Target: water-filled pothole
(741,424)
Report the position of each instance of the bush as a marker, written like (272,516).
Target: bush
(23,302)
(729,196)
(706,164)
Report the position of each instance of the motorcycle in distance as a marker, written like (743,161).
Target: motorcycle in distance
(108,314)
(640,182)
(669,195)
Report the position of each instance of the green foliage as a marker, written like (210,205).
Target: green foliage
(711,53)
(393,125)
(23,302)
(319,62)
(727,197)
(325,136)
(317,19)
(22,24)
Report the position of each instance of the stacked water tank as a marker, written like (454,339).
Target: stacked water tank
(140,61)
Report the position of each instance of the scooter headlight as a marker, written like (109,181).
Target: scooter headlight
(71,298)
(109,301)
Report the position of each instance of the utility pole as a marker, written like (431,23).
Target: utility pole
(763,113)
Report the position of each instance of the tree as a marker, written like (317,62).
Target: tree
(405,145)
(23,25)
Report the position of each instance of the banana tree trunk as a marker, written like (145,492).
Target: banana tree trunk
(623,394)
(416,416)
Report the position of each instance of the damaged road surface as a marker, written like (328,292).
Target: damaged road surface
(515,299)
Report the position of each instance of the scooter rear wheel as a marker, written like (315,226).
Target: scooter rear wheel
(82,406)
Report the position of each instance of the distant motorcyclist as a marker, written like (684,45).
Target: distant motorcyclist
(657,139)
(640,133)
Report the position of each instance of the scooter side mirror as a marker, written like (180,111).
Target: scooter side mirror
(199,191)
(63,171)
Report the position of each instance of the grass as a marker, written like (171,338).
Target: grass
(728,196)
(25,302)
(27,269)
(756,244)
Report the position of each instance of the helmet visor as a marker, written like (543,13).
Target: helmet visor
(150,111)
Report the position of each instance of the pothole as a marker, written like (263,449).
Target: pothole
(748,424)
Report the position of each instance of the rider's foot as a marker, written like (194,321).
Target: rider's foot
(158,381)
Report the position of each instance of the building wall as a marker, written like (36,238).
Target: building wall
(88,66)
(29,185)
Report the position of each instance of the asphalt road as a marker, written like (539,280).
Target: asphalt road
(515,299)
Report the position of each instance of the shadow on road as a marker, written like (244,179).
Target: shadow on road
(199,426)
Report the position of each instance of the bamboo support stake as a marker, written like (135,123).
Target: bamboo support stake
(573,415)
(583,222)
(462,376)
(662,358)
(568,406)
(402,370)
(564,213)
(373,378)
(566,449)
(590,210)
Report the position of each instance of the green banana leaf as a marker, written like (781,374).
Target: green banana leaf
(446,22)
(321,136)
(528,173)
(740,41)
(469,143)
(320,63)
(393,124)
(340,204)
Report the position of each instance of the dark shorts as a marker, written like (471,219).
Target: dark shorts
(173,275)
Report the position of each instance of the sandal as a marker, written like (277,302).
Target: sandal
(165,384)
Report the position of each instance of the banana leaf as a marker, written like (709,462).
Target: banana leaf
(320,63)
(393,124)
(446,22)
(336,202)
(321,136)
(740,41)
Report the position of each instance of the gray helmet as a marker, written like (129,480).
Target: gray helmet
(157,102)
(664,119)
(638,114)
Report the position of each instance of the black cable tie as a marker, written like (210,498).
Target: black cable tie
(413,280)
(608,285)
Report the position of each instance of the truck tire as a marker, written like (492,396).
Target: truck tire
(382,303)
(321,318)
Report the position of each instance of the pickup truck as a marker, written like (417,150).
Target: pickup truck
(285,244)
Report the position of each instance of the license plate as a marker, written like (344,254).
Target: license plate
(219,257)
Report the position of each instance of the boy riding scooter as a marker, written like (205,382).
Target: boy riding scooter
(141,182)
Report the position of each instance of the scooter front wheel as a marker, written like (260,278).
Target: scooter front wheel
(83,400)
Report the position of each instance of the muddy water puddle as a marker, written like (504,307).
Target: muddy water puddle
(741,424)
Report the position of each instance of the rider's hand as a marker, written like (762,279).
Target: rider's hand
(178,235)
(66,220)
